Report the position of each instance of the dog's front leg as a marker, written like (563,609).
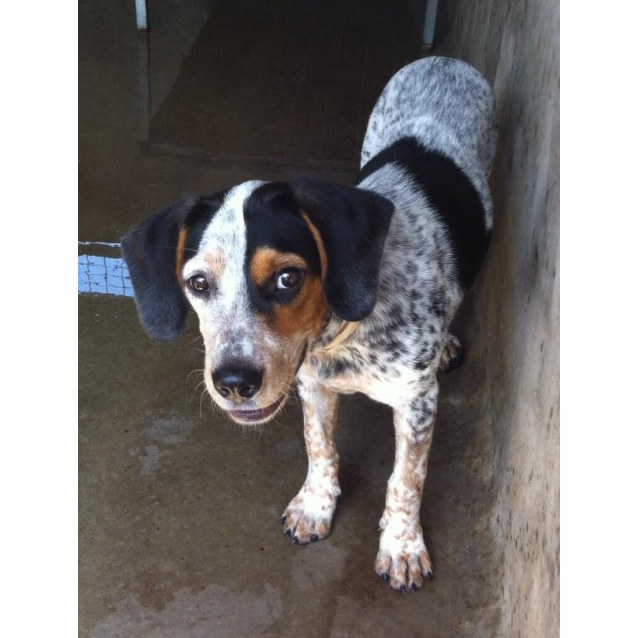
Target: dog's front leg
(309,515)
(403,558)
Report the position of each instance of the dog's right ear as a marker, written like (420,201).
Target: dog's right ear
(151,253)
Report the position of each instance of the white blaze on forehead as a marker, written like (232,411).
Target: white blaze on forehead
(229,219)
(226,236)
(227,229)
(224,240)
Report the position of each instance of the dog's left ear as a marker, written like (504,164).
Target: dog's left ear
(349,226)
(150,252)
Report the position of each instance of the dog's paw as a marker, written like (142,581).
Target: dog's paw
(309,515)
(453,354)
(403,560)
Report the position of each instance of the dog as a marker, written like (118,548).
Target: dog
(340,289)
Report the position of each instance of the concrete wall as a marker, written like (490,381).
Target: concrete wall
(514,307)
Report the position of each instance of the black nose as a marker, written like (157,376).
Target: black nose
(240,382)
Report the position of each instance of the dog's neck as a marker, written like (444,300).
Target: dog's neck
(344,332)
(335,332)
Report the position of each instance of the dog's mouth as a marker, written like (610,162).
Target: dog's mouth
(257,416)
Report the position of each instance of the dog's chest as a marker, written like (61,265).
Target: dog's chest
(379,375)
(392,391)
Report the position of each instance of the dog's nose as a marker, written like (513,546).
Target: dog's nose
(237,382)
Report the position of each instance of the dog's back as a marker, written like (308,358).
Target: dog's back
(448,107)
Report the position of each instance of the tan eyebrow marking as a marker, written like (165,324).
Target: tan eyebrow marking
(267,261)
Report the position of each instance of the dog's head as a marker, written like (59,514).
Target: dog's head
(262,265)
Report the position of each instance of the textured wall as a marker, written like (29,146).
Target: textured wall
(514,307)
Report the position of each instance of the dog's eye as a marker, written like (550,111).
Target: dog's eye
(288,279)
(198,283)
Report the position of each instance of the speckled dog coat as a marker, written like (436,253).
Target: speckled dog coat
(340,289)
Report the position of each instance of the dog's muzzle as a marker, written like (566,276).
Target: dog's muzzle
(239,383)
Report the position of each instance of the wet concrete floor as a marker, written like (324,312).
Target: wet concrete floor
(179,509)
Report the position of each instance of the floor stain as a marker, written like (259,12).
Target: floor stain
(214,611)
(171,430)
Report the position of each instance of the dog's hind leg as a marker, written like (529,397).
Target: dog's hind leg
(308,517)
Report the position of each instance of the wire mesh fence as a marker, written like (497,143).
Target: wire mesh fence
(103,276)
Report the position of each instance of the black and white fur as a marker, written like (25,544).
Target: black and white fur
(375,272)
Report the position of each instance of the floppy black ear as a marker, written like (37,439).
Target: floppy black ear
(150,252)
(351,224)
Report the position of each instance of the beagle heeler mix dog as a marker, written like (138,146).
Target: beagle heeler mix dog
(339,289)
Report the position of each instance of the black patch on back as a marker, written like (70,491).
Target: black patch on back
(272,221)
(450,192)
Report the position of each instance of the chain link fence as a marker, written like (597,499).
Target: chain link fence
(102,275)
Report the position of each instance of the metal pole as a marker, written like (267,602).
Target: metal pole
(141,15)
(430,21)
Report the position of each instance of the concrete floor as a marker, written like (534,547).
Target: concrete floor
(179,509)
